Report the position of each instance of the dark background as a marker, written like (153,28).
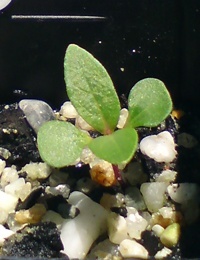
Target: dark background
(138,39)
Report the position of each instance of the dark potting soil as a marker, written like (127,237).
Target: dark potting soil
(17,137)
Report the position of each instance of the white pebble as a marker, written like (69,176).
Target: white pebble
(81,123)
(78,234)
(4,233)
(122,118)
(131,248)
(164,252)
(9,175)
(53,217)
(117,228)
(19,189)
(166,212)
(37,170)
(184,192)
(68,110)
(154,195)
(166,176)
(157,229)
(136,224)
(37,112)
(159,147)
(4,3)
(7,202)
(2,165)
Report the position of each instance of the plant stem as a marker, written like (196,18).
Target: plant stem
(117,173)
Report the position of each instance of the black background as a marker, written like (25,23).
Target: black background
(153,38)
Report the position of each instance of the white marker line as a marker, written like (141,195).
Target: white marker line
(57,17)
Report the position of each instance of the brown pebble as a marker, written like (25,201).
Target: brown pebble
(32,215)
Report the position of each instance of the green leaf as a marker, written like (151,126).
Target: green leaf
(91,90)
(116,148)
(149,103)
(60,143)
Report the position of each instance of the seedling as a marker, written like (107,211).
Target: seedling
(91,91)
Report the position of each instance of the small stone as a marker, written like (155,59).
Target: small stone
(58,177)
(122,118)
(184,192)
(87,156)
(7,202)
(117,228)
(164,252)
(32,215)
(19,189)
(52,216)
(136,224)
(103,173)
(61,189)
(109,200)
(158,230)
(3,216)
(131,248)
(154,195)
(4,3)
(9,175)
(68,110)
(37,112)
(170,235)
(5,153)
(37,170)
(85,228)
(134,173)
(85,185)
(81,123)
(2,165)
(133,198)
(105,250)
(159,147)
(4,233)
(167,176)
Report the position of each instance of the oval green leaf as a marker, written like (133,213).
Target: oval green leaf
(149,103)
(91,90)
(60,143)
(116,148)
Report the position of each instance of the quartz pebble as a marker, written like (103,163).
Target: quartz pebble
(117,228)
(8,175)
(68,110)
(2,165)
(37,112)
(134,174)
(133,198)
(37,170)
(154,195)
(131,248)
(54,217)
(136,224)
(184,192)
(160,147)
(8,202)
(166,176)
(158,230)
(4,3)
(4,233)
(164,252)
(81,123)
(32,215)
(105,250)
(109,200)
(19,188)
(122,118)
(78,234)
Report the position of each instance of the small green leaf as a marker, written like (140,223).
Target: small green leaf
(118,147)
(91,90)
(60,143)
(149,103)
